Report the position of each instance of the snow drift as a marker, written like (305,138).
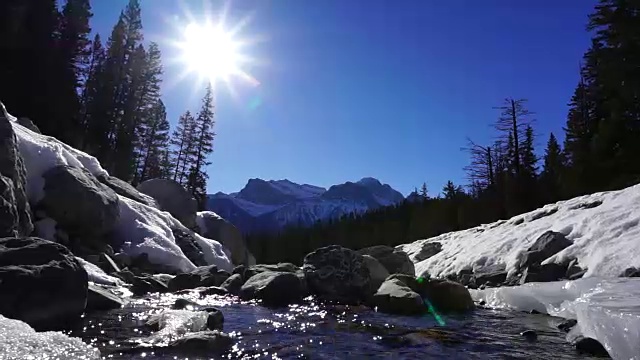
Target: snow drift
(604,228)
(141,228)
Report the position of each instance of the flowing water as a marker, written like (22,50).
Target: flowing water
(315,331)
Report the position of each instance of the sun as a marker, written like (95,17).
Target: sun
(211,52)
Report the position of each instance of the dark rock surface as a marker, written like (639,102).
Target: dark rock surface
(189,246)
(125,189)
(337,273)
(273,288)
(396,261)
(42,283)
(233,284)
(173,198)
(14,209)
(202,343)
(428,250)
(589,346)
(395,297)
(78,202)
(101,298)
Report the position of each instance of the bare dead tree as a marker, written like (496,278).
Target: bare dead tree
(480,171)
(512,123)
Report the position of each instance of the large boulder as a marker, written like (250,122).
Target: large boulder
(447,296)
(78,202)
(125,189)
(173,198)
(14,206)
(337,273)
(212,226)
(274,288)
(189,246)
(377,271)
(396,261)
(395,297)
(257,269)
(233,284)
(41,282)
(202,276)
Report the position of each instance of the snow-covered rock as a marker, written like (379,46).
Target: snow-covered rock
(212,226)
(604,232)
(140,228)
(603,229)
(97,275)
(19,341)
(172,197)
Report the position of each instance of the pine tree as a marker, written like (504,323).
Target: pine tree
(183,142)
(204,134)
(423,191)
(550,177)
(529,172)
(154,147)
(74,51)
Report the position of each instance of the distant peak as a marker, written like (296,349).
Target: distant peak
(369,181)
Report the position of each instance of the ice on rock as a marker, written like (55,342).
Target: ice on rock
(19,341)
(607,310)
(175,323)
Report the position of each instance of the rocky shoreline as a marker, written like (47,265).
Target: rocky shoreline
(62,256)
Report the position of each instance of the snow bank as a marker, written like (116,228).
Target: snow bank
(603,227)
(19,341)
(96,274)
(606,309)
(41,153)
(143,229)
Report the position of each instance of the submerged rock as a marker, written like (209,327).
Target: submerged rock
(203,343)
(395,297)
(394,260)
(337,273)
(273,288)
(567,325)
(41,282)
(529,335)
(589,346)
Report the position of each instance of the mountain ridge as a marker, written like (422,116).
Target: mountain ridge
(270,205)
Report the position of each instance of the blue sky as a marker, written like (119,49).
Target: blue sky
(350,89)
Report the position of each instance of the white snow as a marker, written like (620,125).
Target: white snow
(41,153)
(303,191)
(606,238)
(96,274)
(606,309)
(143,229)
(19,341)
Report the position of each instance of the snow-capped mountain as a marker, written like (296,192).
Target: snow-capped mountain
(270,205)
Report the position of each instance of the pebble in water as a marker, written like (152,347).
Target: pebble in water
(529,335)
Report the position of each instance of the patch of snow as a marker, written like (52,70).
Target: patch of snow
(46,229)
(19,341)
(145,229)
(298,191)
(97,275)
(41,153)
(606,309)
(604,228)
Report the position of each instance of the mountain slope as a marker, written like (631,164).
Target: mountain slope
(271,205)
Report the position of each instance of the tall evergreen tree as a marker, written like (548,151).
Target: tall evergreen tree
(183,143)
(154,148)
(204,134)
(551,175)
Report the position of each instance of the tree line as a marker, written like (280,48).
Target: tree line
(101,97)
(506,178)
